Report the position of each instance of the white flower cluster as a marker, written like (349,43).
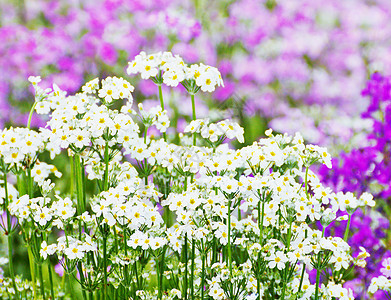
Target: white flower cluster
(216,131)
(347,201)
(171,70)
(43,211)
(114,207)
(382,282)
(48,99)
(155,116)
(209,220)
(112,88)
(80,123)
(21,145)
(69,247)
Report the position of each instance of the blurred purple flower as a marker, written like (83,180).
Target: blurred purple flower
(4,222)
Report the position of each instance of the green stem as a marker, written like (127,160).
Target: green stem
(83,292)
(116,244)
(136,274)
(229,245)
(31,114)
(161,270)
(306,182)
(159,295)
(317,280)
(10,261)
(51,279)
(192,269)
(126,266)
(41,281)
(161,96)
(79,191)
(302,273)
(193,107)
(286,268)
(83,182)
(194,117)
(72,175)
(71,286)
(229,239)
(301,280)
(30,183)
(185,252)
(79,185)
(82,280)
(260,226)
(32,272)
(105,267)
(346,235)
(21,184)
(202,274)
(6,192)
(283,289)
(289,235)
(260,220)
(186,271)
(262,217)
(162,105)
(106,176)
(145,160)
(214,251)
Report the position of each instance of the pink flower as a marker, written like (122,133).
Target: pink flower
(108,53)
(59,269)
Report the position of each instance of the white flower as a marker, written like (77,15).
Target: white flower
(269,132)
(135,66)
(91,86)
(346,201)
(47,249)
(208,78)
(340,260)
(108,92)
(367,199)
(174,76)
(34,79)
(148,69)
(42,216)
(74,251)
(216,292)
(277,259)
(196,125)
(328,216)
